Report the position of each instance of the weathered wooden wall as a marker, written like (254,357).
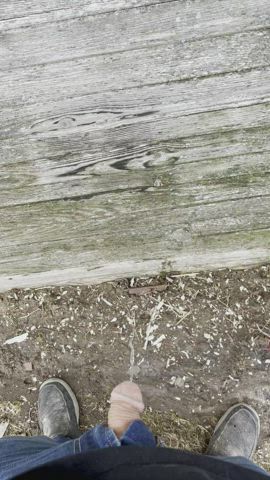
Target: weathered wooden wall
(134,137)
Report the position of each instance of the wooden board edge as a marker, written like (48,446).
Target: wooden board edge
(184,264)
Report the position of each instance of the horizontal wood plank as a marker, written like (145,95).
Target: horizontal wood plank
(80,234)
(30,12)
(135,106)
(192,19)
(157,27)
(132,69)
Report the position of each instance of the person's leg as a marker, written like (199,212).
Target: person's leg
(102,436)
(58,413)
(236,436)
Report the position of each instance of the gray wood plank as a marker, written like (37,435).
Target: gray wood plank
(69,222)
(79,174)
(84,234)
(133,69)
(255,251)
(134,138)
(135,106)
(56,161)
(155,26)
(214,181)
(193,19)
(26,12)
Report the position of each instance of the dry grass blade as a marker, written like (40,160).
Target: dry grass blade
(176,432)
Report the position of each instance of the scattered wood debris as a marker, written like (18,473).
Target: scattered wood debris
(3,428)
(28,366)
(18,339)
(151,326)
(147,289)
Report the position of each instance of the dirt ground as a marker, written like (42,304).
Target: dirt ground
(196,345)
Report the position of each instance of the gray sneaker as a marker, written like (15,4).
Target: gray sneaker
(58,409)
(237,433)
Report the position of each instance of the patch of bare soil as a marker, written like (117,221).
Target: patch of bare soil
(196,345)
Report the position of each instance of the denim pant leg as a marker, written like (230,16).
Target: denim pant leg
(101,437)
(21,454)
(245,463)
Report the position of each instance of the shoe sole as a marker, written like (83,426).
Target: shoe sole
(70,392)
(227,414)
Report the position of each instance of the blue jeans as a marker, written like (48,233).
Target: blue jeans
(21,454)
